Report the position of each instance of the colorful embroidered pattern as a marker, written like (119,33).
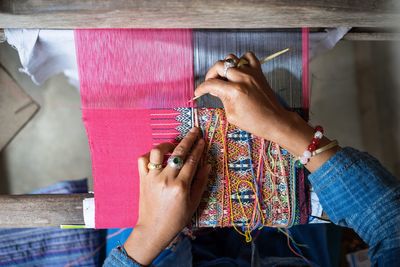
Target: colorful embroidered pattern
(252,182)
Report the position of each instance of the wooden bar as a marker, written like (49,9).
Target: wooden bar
(372,36)
(197,14)
(41,210)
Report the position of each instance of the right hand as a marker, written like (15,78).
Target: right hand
(251,105)
(249,101)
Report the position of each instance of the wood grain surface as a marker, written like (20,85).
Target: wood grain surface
(41,210)
(197,14)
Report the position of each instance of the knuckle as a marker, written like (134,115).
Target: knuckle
(156,151)
(219,63)
(180,186)
(192,160)
(250,53)
(180,149)
(247,78)
(235,94)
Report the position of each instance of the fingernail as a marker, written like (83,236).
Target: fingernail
(194,130)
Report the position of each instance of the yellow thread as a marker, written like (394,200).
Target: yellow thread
(269,168)
(228,183)
(247,233)
(213,128)
(256,204)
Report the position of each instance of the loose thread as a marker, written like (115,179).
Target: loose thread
(227,179)
(271,167)
(250,227)
(299,253)
(284,174)
(256,189)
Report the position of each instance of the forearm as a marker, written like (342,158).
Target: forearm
(356,191)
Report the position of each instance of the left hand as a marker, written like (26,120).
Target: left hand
(168,197)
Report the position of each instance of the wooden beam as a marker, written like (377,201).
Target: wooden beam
(372,36)
(41,210)
(197,14)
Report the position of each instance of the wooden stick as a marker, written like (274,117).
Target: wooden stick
(243,61)
(264,60)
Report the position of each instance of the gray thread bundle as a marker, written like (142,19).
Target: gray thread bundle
(283,73)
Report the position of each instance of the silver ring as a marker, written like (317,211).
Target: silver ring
(175,162)
(229,63)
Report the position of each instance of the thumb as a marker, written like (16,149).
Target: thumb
(215,87)
(199,185)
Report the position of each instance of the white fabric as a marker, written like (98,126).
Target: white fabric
(45,53)
(88,212)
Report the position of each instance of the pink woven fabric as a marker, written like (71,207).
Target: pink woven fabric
(124,74)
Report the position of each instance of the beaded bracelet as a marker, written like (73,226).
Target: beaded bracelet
(307,154)
(332,144)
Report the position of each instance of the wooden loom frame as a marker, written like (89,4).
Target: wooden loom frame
(375,20)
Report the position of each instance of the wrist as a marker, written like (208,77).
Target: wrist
(295,135)
(143,246)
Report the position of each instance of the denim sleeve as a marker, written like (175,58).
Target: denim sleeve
(355,190)
(178,254)
(118,258)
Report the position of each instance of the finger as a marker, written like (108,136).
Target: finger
(217,71)
(233,56)
(199,185)
(252,59)
(192,161)
(182,150)
(143,161)
(157,153)
(215,87)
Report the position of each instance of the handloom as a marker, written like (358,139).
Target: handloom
(135,87)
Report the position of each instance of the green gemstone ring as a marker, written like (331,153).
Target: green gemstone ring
(175,162)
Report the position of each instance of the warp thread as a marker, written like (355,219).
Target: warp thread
(128,76)
(284,73)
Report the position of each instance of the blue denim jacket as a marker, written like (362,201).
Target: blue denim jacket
(355,191)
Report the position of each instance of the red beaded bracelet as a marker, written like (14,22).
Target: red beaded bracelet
(307,154)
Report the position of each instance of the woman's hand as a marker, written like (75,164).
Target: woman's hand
(168,197)
(249,102)
(251,105)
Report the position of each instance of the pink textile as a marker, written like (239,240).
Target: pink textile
(124,76)
(142,68)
